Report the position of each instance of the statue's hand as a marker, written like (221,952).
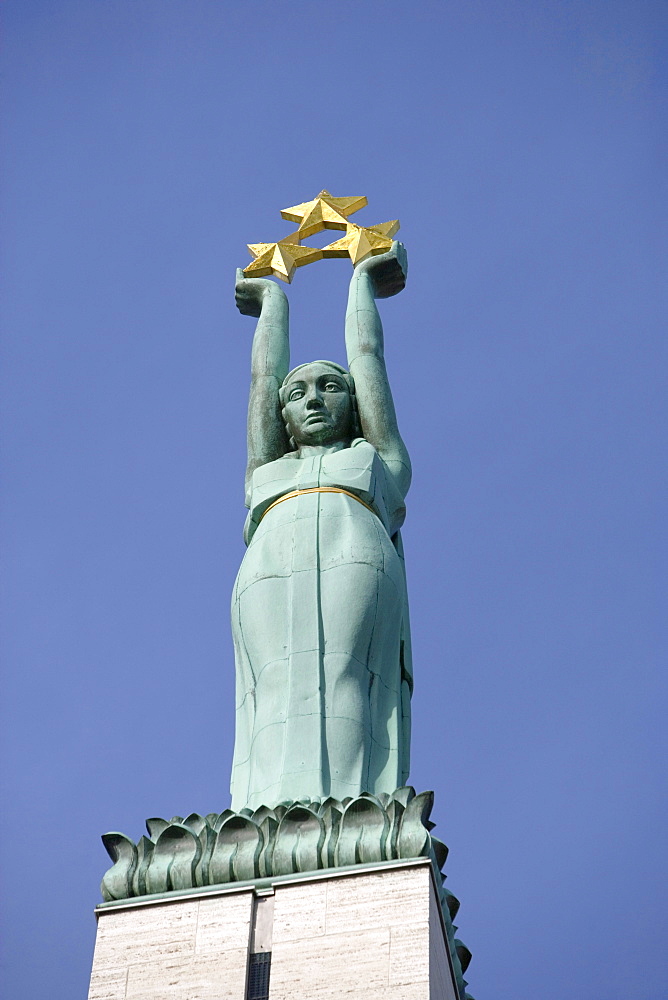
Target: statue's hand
(250,293)
(387,271)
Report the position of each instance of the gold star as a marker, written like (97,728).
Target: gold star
(323,212)
(280,259)
(361,242)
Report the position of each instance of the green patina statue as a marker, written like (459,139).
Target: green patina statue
(319,611)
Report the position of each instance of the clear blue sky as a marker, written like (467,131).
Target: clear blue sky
(522,144)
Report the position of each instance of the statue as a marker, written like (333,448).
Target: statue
(319,610)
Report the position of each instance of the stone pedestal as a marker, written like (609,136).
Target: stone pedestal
(366,933)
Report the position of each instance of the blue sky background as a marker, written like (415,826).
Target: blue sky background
(523,146)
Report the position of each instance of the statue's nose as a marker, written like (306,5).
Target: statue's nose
(314,401)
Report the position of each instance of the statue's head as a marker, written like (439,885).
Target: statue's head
(318,405)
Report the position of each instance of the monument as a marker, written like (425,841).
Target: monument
(323,878)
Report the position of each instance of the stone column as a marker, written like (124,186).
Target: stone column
(368,933)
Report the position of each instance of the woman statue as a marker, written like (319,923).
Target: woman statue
(319,611)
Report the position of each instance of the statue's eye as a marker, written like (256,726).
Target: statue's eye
(332,387)
(296,394)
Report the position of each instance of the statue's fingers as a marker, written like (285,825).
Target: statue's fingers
(402,256)
(240,275)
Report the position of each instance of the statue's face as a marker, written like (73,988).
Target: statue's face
(318,408)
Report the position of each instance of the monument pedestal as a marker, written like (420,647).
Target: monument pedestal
(368,932)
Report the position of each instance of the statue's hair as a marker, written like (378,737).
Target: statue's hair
(347,378)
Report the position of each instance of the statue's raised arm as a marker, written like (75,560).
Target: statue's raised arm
(377,277)
(270,360)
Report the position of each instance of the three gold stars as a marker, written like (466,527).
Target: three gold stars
(323,212)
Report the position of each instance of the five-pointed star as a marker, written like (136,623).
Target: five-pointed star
(323,212)
(361,242)
(280,259)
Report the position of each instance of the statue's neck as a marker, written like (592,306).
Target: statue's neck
(309,450)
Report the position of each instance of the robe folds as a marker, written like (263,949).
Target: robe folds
(321,634)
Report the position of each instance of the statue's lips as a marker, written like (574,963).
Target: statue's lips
(316,417)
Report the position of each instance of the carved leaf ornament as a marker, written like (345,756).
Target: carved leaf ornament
(291,838)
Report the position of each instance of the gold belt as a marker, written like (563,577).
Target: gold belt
(316,489)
